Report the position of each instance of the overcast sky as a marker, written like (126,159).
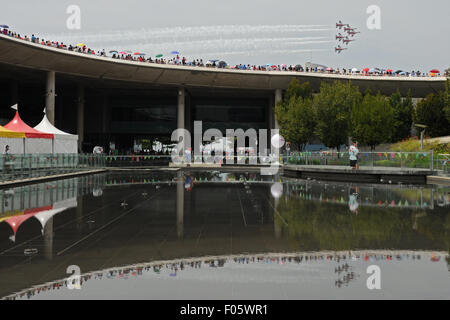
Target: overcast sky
(414,34)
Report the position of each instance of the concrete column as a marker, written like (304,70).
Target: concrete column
(105,115)
(278,98)
(80,117)
(181,108)
(50,97)
(14,92)
(180,204)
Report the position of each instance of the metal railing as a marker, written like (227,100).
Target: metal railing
(21,166)
(136,160)
(401,160)
(442,162)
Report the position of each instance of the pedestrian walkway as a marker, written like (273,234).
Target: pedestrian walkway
(364,174)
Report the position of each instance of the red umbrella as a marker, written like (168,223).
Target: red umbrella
(366,70)
(389,70)
(434,71)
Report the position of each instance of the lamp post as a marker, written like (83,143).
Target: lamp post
(422,126)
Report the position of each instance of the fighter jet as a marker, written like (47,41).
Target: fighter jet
(340,24)
(352,33)
(347,40)
(339,49)
(348,28)
(339,37)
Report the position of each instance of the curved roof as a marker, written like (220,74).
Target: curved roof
(17,124)
(16,222)
(39,57)
(5,133)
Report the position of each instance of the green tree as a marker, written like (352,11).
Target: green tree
(295,114)
(372,120)
(303,90)
(333,106)
(403,110)
(431,112)
(447,99)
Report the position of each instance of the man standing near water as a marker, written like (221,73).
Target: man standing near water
(353,155)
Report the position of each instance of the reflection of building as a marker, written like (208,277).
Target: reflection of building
(42,202)
(217,218)
(175,267)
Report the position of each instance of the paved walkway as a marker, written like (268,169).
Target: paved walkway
(362,170)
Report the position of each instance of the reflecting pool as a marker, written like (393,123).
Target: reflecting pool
(190,234)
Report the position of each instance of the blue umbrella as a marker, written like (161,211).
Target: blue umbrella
(4,26)
(175,52)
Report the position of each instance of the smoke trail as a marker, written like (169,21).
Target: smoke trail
(208,41)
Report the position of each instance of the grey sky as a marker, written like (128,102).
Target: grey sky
(414,33)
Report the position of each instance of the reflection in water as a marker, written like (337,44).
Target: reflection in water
(179,217)
(320,268)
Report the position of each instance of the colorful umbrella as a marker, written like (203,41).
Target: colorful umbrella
(139,54)
(4,26)
(113,51)
(175,52)
(122,52)
(365,70)
(81,45)
(434,71)
(159,55)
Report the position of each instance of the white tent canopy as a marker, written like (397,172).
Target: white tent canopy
(63,142)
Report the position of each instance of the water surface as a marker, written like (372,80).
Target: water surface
(223,235)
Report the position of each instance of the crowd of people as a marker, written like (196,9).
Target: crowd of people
(176,59)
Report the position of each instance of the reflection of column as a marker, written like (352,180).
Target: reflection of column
(180,204)
(277,223)
(79,217)
(48,240)
(80,117)
(50,97)
(432,199)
